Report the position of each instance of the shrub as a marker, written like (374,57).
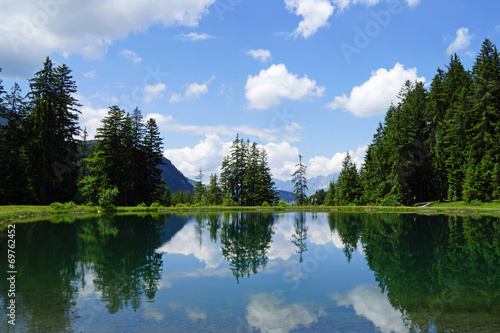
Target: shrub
(142,205)
(265,204)
(69,205)
(107,197)
(476,203)
(155,205)
(57,205)
(282,203)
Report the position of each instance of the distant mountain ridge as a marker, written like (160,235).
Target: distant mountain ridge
(174,179)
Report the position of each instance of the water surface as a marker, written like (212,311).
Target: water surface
(253,272)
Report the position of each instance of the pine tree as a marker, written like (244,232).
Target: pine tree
(348,186)
(214,191)
(153,157)
(52,128)
(484,149)
(330,195)
(14,176)
(300,182)
(199,189)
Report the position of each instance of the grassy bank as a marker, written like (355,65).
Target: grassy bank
(8,213)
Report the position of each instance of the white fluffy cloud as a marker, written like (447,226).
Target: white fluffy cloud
(375,95)
(131,55)
(368,302)
(90,117)
(89,75)
(260,55)
(343,4)
(282,156)
(207,154)
(153,91)
(321,165)
(268,314)
(32,29)
(315,14)
(461,41)
(193,90)
(207,252)
(194,36)
(274,84)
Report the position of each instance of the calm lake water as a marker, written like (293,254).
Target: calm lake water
(251,272)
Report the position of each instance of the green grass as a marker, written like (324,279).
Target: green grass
(9,213)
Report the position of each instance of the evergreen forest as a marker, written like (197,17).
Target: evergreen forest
(437,143)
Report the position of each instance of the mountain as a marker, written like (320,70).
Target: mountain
(286,195)
(313,184)
(174,179)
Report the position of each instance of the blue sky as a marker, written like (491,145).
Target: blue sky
(297,76)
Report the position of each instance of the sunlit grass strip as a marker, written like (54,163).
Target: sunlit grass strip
(9,213)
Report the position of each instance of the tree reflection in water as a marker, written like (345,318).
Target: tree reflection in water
(432,268)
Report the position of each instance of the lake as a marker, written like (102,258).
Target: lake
(254,272)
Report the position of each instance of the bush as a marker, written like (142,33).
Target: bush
(69,205)
(142,205)
(155,205)
(57,206)
(476,203)
(107,197)
(227,202)
(282,203)
(265,204)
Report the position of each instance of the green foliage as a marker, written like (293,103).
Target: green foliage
(348,186)
(57,205)
(126,156)
(199,189)
(228,202)
(442,143)
(142,205)
(246,176)
(299,181)
(390,200)
(155,205)
(283,203)
(265,204)
(69,205)
(181,197)
(108,196)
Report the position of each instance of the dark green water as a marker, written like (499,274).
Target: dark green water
(249,272)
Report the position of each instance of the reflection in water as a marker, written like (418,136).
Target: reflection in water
(433,269)
(245,241)
(300,234)
(368,302)
(425,273)
(268,314)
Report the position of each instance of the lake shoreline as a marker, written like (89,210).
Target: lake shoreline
(8,213)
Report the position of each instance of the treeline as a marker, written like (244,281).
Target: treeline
(437,144)
(43,160)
